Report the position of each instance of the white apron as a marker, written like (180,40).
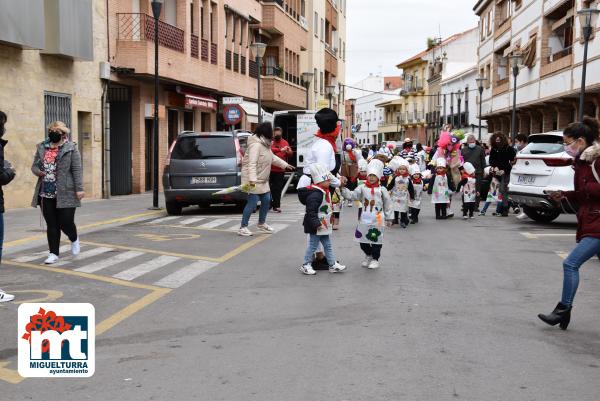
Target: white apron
(494,195)
(416,202)
(440,192)
(400,194)
(325,214)
(469,191)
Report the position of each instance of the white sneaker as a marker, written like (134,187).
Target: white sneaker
(522,216)
(265,228)
(4,297)
(465,217)
(245,232)
(75,247)
(307,269)
(374,264)
(51,259)
(367,261)
(337,268)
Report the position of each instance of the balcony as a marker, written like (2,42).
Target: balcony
(278,93)
(331,62)
(412,86)
(213,53)
(501,86)
(204,50)
(276,21)
(390,127)
(194,46)
(557,61)
(140,27)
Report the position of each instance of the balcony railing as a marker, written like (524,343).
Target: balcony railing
(414,85)
(228,59)
(236,62)
(140,27)
(194,46)
(243,65)
(560,54)
(269,71)
(204,50)
(252,69)
(213,53)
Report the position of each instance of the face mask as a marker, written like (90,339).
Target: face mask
(54,136)
(348,147)
(472,145)
(572,150)
(277,137)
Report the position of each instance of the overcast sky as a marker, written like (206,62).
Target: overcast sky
(382,33)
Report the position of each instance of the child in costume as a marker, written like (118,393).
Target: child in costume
(494,194)
(318,220)
(350,160)
(376,215)
(401,189)
(362,178)
(468,187)
(336,203)
(414,205)
(440,187)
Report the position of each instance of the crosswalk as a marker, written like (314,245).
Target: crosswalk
(160,270)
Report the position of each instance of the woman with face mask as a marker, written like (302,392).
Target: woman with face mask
(580,141)
(59,189)
(502,157)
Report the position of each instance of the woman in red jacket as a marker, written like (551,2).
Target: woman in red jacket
(580,141)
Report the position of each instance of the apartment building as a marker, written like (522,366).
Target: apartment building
(326,53)
(204,55)
(50,53)
(548,35)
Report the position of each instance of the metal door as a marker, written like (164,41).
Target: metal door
(120,140)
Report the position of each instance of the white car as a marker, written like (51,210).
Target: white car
(543,165)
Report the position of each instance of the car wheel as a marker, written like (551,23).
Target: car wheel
(204,205)
(541,215)
(173,208)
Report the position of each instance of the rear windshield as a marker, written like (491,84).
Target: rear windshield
(204,147)
(544,144)
(243,139)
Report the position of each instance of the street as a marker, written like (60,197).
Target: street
(188,310)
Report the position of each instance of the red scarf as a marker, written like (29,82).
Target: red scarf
(351,155)
(416,180)
(372,186)
(330,137)
(441,174)
(401,174)
(325,190)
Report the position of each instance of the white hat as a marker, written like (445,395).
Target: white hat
(319,173)
(397,162)
(404,162)
(375,168)
(441,162)
(362,165)
(414,169)
(426,174)
(486,171)
(469,168)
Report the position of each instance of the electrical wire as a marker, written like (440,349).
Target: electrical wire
(414,95)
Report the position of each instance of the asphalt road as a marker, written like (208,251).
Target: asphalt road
(451,314)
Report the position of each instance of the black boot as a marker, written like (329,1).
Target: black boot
(560,315)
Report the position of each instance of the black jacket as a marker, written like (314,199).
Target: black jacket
(475,156)
(503,158)
(451,185)
(312,199)
(6,175)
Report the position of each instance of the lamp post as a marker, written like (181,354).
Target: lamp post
(156,8)
(459,96)
(587,19)
(398,123)
(516,61)
(258,51)
(330,90)
(438,123)
(480,81)
(307,78)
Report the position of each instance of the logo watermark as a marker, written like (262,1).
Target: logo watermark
(56,340)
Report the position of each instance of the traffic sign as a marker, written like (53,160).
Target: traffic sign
(233,114)
(233,100)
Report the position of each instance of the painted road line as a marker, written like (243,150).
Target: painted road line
(121,257)
(191,221)
(84,255)
(537,236)
(215,223)
(279,227)
(40,255)
(147,267)
(185,274)
(155,251)
(234,227)
(562,255)
(162,220)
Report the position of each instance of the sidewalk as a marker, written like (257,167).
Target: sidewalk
(25,228)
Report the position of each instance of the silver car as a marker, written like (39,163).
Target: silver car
(200,164)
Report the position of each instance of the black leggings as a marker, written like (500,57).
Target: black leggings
(372,250)
(403,217)
(440,210)
(469,208)
(58,220)
(414,214)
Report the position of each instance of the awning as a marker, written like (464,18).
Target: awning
(205,103)
(529,55)
(251,110)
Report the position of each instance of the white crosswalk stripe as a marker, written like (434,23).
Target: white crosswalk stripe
(84,255)
(144,268)
(185,274)
(191,221)
(279,227)
(162,220)
(215,223)
(40,255)
(121,257)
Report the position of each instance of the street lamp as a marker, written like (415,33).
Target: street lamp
(156,8)
(438,123)
(587,19)
(330,90)
(459,95)
(480,81)
(516,59)
(258,51)
(307,78)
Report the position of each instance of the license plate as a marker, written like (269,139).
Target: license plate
(203,180)
(526,180)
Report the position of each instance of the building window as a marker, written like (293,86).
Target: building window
(303,8)
(315,78)
(501,66)
(503,11)
(558,26)
(57,107)
(489,22)
(322,29)
(316,25)
(322,84)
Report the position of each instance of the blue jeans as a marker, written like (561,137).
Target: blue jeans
(486,205)
(1,234)
(587,248)
(313,244)
(265,205)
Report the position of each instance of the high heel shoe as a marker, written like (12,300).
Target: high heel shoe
(561,315)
